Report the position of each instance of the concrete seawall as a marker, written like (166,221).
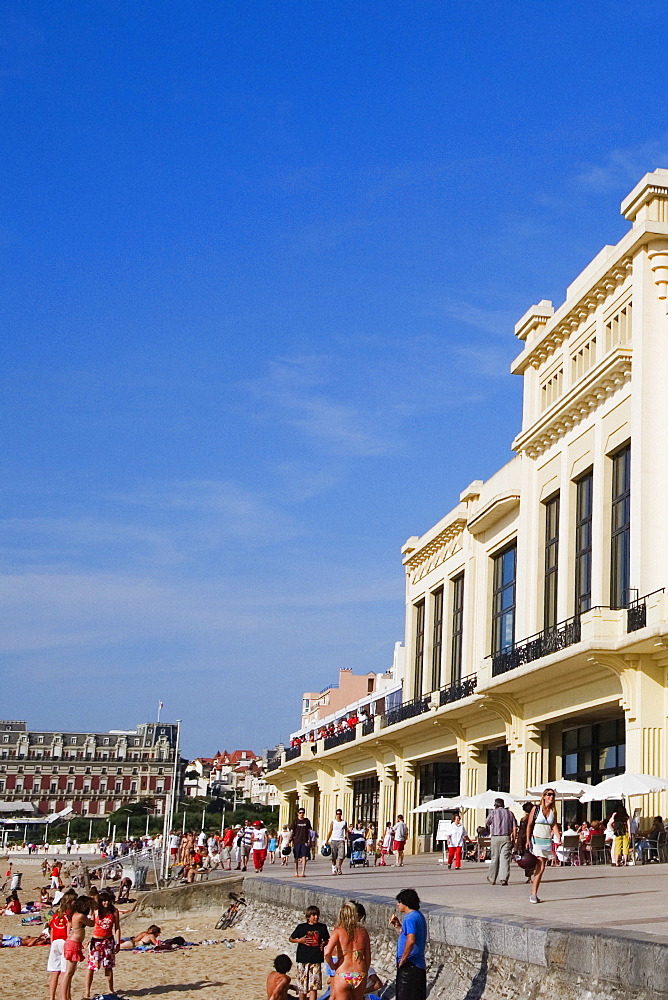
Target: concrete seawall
(474,958)
(469,958)
(200,897)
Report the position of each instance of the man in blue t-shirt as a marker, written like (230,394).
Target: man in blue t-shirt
(411,964)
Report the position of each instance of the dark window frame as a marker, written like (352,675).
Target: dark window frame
(620,528)
(437,597)
(457,639)
(584,511)
(551,575)
(418,658)
(502,611)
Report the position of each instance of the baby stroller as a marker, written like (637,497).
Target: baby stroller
(358,858)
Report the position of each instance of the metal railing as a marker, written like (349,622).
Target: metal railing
(408,710)
(636,612)
(293,752)
(458,689)
(564,634)
(347,736)
(368,727)
(274,764)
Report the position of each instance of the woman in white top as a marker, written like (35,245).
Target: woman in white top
(542,831)
(456,840)
(337,838)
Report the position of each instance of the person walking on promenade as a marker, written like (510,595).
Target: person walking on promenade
(246,847)
(336,838)
(542,829)
(620,828)
(386,843)
(456,840)
(300,838)
(260,842)
(502,827)
(350,946)
(411,961)
(283,842)
(400,838)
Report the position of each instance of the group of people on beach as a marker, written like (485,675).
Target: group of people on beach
(346,955)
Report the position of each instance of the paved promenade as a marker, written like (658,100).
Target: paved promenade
(626,901)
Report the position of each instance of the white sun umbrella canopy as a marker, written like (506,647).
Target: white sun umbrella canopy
(624,786)
(485,800)
(439,805)
(563,788)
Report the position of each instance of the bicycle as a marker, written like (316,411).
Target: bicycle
(232,913)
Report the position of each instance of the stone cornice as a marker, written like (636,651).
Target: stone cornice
(603,380)
(435,550)
(566,320)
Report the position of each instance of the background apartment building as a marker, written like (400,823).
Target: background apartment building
(93,773)
(536,617)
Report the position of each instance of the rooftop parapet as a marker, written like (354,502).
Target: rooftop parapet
(648,202)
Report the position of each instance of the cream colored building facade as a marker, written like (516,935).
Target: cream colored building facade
(536,621)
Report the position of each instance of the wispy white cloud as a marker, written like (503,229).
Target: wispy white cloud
(496,321)
(301,393)
(625,165)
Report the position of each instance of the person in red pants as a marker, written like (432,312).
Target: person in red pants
(456,841)
(260,842)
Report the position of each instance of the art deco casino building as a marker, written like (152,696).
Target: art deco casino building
(536,615)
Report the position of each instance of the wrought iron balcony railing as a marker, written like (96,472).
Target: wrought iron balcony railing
(293,752)
(408,710)
(458,689)
(636,613)
(566,633)
(347,736)
(274,764)
(368,727)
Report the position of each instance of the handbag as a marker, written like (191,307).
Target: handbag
(528,861)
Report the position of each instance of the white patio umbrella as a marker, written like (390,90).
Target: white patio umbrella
(485,800)
(439,805)
(625,786)
(564,788)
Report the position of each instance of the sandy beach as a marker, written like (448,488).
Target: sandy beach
(217,970)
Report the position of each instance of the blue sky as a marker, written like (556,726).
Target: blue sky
(261,264)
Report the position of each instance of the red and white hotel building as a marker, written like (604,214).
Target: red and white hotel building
(93,773)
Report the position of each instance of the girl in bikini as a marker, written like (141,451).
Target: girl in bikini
(349,948)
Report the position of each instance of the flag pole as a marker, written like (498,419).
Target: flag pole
(160,707)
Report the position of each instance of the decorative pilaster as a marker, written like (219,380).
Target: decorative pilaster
(386,785)
(526,760)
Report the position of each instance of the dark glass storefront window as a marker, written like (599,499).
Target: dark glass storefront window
(498,768)
(438,779)
(590,754)
(620,551)
(365,800)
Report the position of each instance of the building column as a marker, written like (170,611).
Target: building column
(526,760)
(284,808)
(473,763)
(406,800)
(387,779)
(643,684)
(305,798)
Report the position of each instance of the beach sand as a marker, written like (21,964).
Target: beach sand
(216,971)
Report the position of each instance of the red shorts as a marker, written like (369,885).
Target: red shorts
(399,845)
(73,952)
